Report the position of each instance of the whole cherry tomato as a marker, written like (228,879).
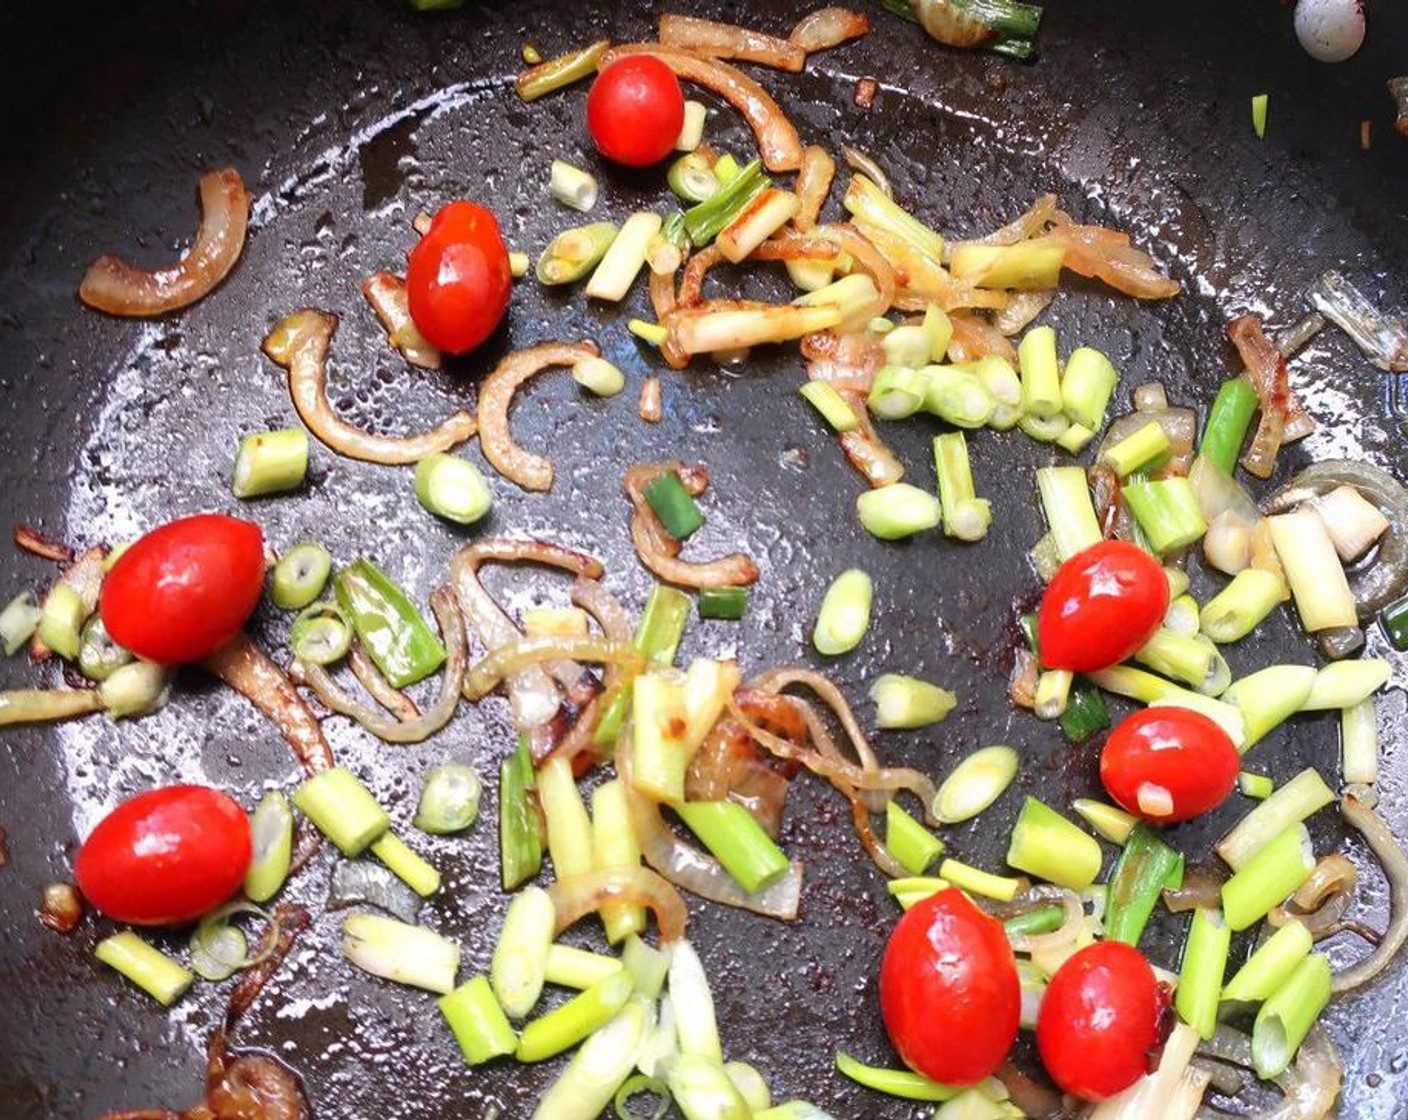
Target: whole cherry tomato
(949,991)
(166,856)
(1168,764)
(635,110)
(1099,1020)
(186,588)
(1102,605)
(458,279)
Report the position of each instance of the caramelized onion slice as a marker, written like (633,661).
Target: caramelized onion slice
(814,180)
(1107,255)
(828,27)
(300,344)
(575,897)
(113,285)
(386,292)
(710,39)
(1360,814)
(659,551)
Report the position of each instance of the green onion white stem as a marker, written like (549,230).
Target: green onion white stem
(957,397)
(270,463)
(1200,977)
(614,844)
(406,864)
(872,207)
(975,881)
(218,949)
(692,178)
(300,575)
(976,782)
(966,516)
(1353,522)
(660,1042)
(568,825)
(1288,1014)
(1182,616)
(833,408)
(648,966)
(844,616)
(572,186)
(1313,570)
(582,1015)
(598,376)
(1256,786)
(478,1022)
(750,1085)
(912,845)
(1269,697)
(1111,822)
(575,252)
(906,703)
(342,809)
(1359,744)
(1086,387)
(271,830)
(518,264)
(660,757)
(702,1090)
(135,689)
(162,978)
(1291,803)
(1343,684)
(1041,373)
(586,1086)
(1268,969)
(449,799)
(1047,845)
(695,1020)
(624,259)
(519,967)
(1268,878)
(707,331)
(1053,690)
(1074,439)
(400,952)
(98,655)
(452,488)
(20,619)
(61,620)
(735,838)
(1241,606)
(898,510)
(897,392)
(1187,659)
(1026,266)
(692,131)
(570,967)
(1065,499)
(1141,449)
(764,215)
(1167,511)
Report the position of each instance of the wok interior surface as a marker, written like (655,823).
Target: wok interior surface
(348,118)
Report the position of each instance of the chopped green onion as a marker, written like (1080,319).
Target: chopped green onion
(559,72)
(520,842)
(844,616)
(1256,786)
(1115,825)
(906,703)
(1168,512)
(270,463)
(570,967)
(975,784)
(695,1021)
(449,800)
(702,1090)
(518,264)
(872,207)
(598,1069)
(393,632)
(652,333)
(1030,265)
(692,131)
(1343,684)
(726,603)
(769,210)
(98,655)
(648,966)
(1045,557)
(1146,866)
(614,844)
(452,488)
(1288,1014)
(810,274)
(342,809)
(1192,660)
(957,397)
(640,1085)
(519,967)
(1268,969)
(218,949)
(1394,621)
(320,634)
(405,864)
(845,297)
(893,1082)
(1085,714)
(822,396)
(1269,697)
(1047,845)
(1313,570)
(1040,371)
(727,168)
(1359,744)
(1065,498)
(1293,802)
(674,505)
(1269,877)
(61,621)
(750,1085)
(136,689)
(1259,104)
(300,576)
(624,258)
(572,186)
(914,846)
(914,889)
(706,220)
(736,840)
(1228,421)
(1044,429)
(657,636)
(575,252)
(1074,439)
(162,978)
(581,1016)
(898,510)
(897,392)
(1045,919)
(1053,689)
(271,829)
(660,756)
(1200,976)
(975,881)
(1139,450)
(568,825)
(1086,387)
(906,346)
(1178,582)
(481,1028)
(1241,606)
(20,618)
(401,952)
(598,376)
(966,516)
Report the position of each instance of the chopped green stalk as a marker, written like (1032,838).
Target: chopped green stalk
(702,1090)
(673,505)
(570,967)
(648,966)
(20,618)
(479,1023)
(449,800)
(1086,387)
(844,616)
(897,392)
(1167,511)
(342,809)
(1053,689)
(651,333)
(270,463)
(938,328)
(519,967)
(400,952)
(727,168)
(559,72)
(845,297)
(569,826)
(1144,448)
(1268,969)
(98,655)
(695,1021)
(870,206)
(218,949)
(728,604)
(519,264)
(1075,438)
(1259,104)
(61,621)
(1241,606)
(1268,878)
(1114,824)
(271,829)
(1343,684)
(136,689)
(162,978)
(906,345)
(320,634)
(1031,265)
(1047,845)
(1292,803)
(406,865)
(905,703)
(898,510)
(914,889)
(572,186)
(1256,786)
(736,840)
(452,488)
(624,258)
(914,846)
(300,576)
(614,844)
(1085,714)
(692,131)
(1313,570)
(390,628)
(657,636)
(893,1082)
(1200,977)
(520,841)
(812,275)
(1394,620)
(1145,867)
(706,220)
(1124,680)
(1178,582)
(1188,659)
(660,720)
(975,784)
(1041,374)
(707,687)
(1065,498)
(598,1069)
(598,376)
(822,396)
(1228,421)
(966,516)
(1044,429)
(581,1016)
(750,1085)
(1359,744)
(1045,557)
(975,881)
(768,212)
(575,252)
(1046,919)
(958,397)
(1269,697)
(1288,1014)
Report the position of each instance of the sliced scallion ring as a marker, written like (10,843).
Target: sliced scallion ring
(641,1086)
(693,179)
(300,575)
(219,948)
(272,831)
(320,634)
(449,802)
(98,655)
(975,784)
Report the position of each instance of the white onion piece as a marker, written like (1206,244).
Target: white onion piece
(1228,543)
(1154,800)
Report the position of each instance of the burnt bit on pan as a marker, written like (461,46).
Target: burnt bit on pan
(1398,87)
(4,851)
(866,89)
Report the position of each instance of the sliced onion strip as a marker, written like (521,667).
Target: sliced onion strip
(828,27)
(710,39)
(659,551)
(580,895)
(386,292)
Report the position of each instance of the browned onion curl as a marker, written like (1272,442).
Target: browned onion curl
(846,362)
(867,89)
(975,337)
(814,179)
(650,407)
(1021,685)
(663,301)
(729,766)
(829,240)
(1321,901)
(386,292)
(299,343)
(1283,418)
(828,27)
(659,551)
(517,464)
(113,285)
(398,703)
(575,897)
(1037,1101)
(1023,309)
(1311,1086)
(489,672)
(62,907)
(710,39)
(31,540)
(1357,808)
(1024,227)
(1108,255)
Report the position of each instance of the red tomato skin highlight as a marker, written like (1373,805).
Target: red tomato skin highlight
(1099,1020)
(1181,750)
(635,111)
(1101,606)
(458,278)
(949,991)
(165,857)
(186,588)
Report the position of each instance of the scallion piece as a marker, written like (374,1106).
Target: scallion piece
(750,1085)
(727,168)
(706,220)
(736,840)
(1028,265)
(481,1028)
(452,488)
(624,258)
(1359,744)
(1269,697)
(575,252)
(844,616)
(320,634)
(914,889)
(1047,845)
(218,949)
(614,844)
(1259,105)
(1288,1014)
(873,208)
(1268,969)
(1227,423)
(398,951)
(1192,660)
(674,505)
(1139,450)
(1114,824)
(1200,976)
(1053,689)
(914,846)
(695,1021)
(20,618)
(449,800)
(642,1086)
(135,689)
(572,186)
(893,1082)
(652,333)
(406,864)
(897,511)
(1269,877)
(598,1069)
(342,809)
(271,829)
(559,72)
(975,881)
(520,842)
(1167,511)
(1293,802)
(906,346)
(1065,498)
(570,967)
(897,392)
(162,978)
(568,825)
(1393,619)
(270,463)
(598,376)
(519,967)
(300,576)
(1045,919)
(1146,866)
(702,1089)
(657,636)
(957,397)
(906,703)
(729,604)
(1343,684)
(975,784)
(692,178)
(1086,387)
(1313,570)
(1241,606)
(1044,429)
(692,131)
(98,655)
(1256,786)
(648,966)
(582,1015)
(389,626)
(518,264)
(1074,439)
(1085,714)
(966,516)
(660,719)
(823,396)
(1040,371)
(61,621)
